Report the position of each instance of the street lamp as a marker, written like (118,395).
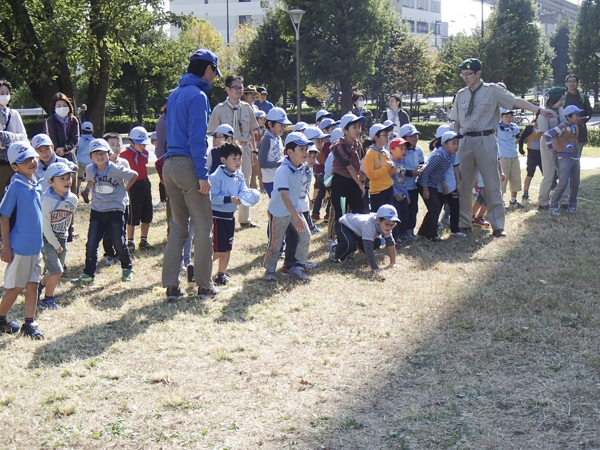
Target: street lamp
(296,16)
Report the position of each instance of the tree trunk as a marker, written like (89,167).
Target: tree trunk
(346,88)
(139,102)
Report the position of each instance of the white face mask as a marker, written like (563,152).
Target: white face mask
(4,99)
(62,111)
(361,103)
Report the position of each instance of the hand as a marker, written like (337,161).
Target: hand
(254,159)
(7,254)
(60,151)
(391,165)
(417,172)
(445,189)
(458,188)
(204,186)
(299,223)
(362,190)
(399,197)
(408,200)
(425,193)
(548,113)
(59,250)
(235,200)
(502,176)
(522,152)
(584,120)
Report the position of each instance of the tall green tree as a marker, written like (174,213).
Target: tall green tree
(585,42)
(559,41)
(513,49)
(452,52)
(340,40)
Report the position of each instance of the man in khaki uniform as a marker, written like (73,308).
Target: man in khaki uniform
(240,115)
(476,112)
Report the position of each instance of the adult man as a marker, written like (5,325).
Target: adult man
(160,148)
(240,115)
(262,103)
(476,112)
(250,94)
(186,177)
(576,97)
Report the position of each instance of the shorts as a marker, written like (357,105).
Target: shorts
(481,197)
(54,262)
(534,159)
(223,230)
(140,203)
(23,270)
(512,170)
(81,171)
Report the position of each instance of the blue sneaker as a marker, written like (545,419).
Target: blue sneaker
(31,330)
(298,273)
(311,265)
(9,327)
(40,289)
(48,303)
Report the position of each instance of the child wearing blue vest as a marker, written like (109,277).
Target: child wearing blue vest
(414,161)
(21,227)
(83,150)
(47,156)
(508,138)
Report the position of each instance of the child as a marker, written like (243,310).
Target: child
(21,227)
(140,194)
(111,183)
(320,141)
(226,185)
(330,217)
(270,152)
(562,141)
(398,151)
(45,151)
(58,206)
(322,114)
(532,136)
(364,231)
(300,127)
(261,119)
(222,135)
(427,184)
(307,177)
(379,167)
(320,169)
(449,187)
(480,204)
(508,137)
(327,125)
(83,150)
(285,215)
(413,162)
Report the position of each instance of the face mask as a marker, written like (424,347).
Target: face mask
(4,99)
(62,111)
(360,103)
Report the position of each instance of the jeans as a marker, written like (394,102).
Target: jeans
(111,222)
(569,177)
(413,210)
(385,197)
(402,208)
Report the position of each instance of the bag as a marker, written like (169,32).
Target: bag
(533,140)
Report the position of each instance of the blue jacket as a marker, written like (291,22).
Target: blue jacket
(224,185)
(187,121)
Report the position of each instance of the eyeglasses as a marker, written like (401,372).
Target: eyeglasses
(384,134)
(466,74)
(572,81)
(237,87)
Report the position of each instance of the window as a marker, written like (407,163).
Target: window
(408,3)
(411,25)
(245,19)
(435,28)
(422,27)
(423,4)
(436,6)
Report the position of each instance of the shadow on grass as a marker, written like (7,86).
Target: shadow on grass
(511,363)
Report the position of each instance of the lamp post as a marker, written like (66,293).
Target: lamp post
(481,19)
(296,16)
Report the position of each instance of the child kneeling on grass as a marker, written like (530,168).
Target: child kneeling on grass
(111,182)
(227,191)
(21,226)
(364,231)
(285,213)
(58,206)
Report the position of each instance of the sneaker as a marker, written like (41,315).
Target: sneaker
(127,275)
(270,276)
(116,261)
(435,239)
(48,303)
(440,226)
(402,240)
(350,257)
(190,273)
(281,255)
(83,279)
(145,245)
(572,210)
(480,221)
(412,238)
(316,230)
(131,247)
(445,222)
(109,261)
(525,198)
(315,218)
(516,204)
(222,279)
(499,233)
(310,265)
(298,273)
(554,211)
(326,218)
(249,224)
(173,293)
(332,248)
(158,205)
(182,270)
(9,327)
(544,208)
(564,207)
(459,234)
(207,292)
(31,330)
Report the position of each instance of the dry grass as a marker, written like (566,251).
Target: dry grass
(471,344)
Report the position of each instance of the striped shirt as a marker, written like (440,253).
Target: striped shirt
(436,168)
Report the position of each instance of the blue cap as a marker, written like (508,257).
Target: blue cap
(323,113)
(18,152)
(441,130)
(336,134)
(376,128)
(99,145)
(449,135)
(572,109)
(56,170)
(408,130)
(300,126)
(41,139)
(87,126)
(278,115)
(258,114)
(349,118)
(297,138)
(388,212)
(327,122)
(249,197)
(315,133)
(388,123)
(203,54)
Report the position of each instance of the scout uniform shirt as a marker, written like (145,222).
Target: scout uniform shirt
(243,125)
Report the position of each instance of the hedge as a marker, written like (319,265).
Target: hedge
(120,124)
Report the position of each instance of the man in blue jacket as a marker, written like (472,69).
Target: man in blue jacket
(186,176)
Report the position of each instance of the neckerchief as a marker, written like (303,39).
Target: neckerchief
(104,172)
(52,161)
(50,193)
(472,101)
(20,178)
(236,115)
(143,154)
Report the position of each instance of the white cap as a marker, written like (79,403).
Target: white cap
(376,128)
(56,170)
(350,118)
(572,109)
(278,115)
(336,134)
(20,151)
(224,129)
(99,145)
(388,212)
(448,135)
(249,197)
(315,133)
(408,130)
(139,135)
(153,136)
(441,130)
(300,126)
(296,137)
(41,139)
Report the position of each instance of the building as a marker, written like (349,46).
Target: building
(423,17)
(551,12)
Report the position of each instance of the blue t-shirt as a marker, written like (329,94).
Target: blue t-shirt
(23,197)
(287,178)
(506,140)
(83,149)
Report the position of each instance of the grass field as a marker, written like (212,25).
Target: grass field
(473,343)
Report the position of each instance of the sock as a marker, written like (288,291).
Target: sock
(3,319)
(129,241)
(525,193)
(513,199)
(28,321)
(48,297)
(144,239)
(220,274)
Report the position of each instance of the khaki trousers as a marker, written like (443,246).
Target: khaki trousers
(244,211)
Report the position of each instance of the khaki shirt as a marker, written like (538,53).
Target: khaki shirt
(246,123)
(486,111)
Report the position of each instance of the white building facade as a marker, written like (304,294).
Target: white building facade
(423,17)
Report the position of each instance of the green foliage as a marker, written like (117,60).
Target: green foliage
(200,33)
(585,41)
(452,52)
(560,43)
(119,124)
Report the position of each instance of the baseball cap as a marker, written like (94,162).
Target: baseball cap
(300,126)
(41,139)
(388,122)
(388,212)
(56,170)
(203,54)
(258,114)
(224,129)
(99,145)
(470,64)
(20,151)
(336,134)
(87,126)
(327,122)
(249,197)
(408,130)
(441,130)
(506,111)
(448,135)
(376,128)
(349,118)
(315,133)
(297,138)
(323,113)
(396,142)
(572,109)
(139,135)
(262,90)
(278,115)
(153,135)
(312,148)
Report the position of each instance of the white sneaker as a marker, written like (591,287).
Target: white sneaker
(159,205)
(459,234)
(108,261)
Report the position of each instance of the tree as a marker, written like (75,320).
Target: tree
(452,52)
(513,51)
(340,39)
(560,43)
(200,33)
(585,42)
